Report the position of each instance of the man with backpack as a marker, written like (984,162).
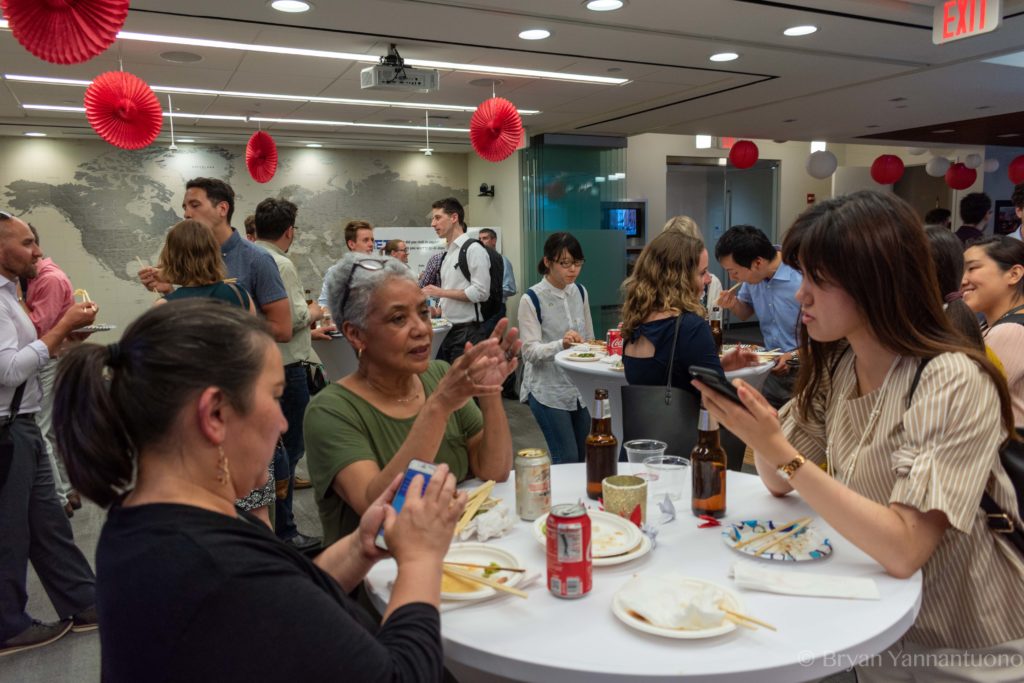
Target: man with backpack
(471,277)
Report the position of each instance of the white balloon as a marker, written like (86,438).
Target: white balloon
(916,151)
(972,160)
(937,166)
(821,164)
(991,165)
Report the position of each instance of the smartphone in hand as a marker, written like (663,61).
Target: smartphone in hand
(716,381)
(426,469)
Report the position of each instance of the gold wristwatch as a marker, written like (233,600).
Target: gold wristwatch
(789,469)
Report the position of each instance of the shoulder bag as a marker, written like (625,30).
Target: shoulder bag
(6,440)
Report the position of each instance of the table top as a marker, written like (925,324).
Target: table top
(599,368)
(544,638)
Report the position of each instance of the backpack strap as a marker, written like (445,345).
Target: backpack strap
(917,378)
(583,292)
(234,288)
(463,266)
(536,304)
(16,403)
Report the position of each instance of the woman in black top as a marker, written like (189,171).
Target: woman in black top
(188,587)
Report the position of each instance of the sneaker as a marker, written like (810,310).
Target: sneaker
(86,620)
(36,635)
(303,543)
(301,483)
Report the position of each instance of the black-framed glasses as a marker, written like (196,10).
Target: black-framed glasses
(366,263)
(577,263)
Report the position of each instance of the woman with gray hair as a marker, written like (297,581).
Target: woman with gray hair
(364,429)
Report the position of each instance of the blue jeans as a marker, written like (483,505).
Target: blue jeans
(564,430)
(293,403)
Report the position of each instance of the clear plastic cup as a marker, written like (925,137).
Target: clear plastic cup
(639,450)
(666,475)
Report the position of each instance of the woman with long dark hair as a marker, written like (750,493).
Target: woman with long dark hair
(908,418)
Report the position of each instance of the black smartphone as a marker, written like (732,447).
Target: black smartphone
(716,381)
(426,470)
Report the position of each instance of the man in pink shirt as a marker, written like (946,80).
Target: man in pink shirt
(48,296)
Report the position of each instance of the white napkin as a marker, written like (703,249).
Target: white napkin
(612,359)
(495,522)
(758,577)
(448,606)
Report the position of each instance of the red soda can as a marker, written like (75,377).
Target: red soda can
(614,341)
(570,568)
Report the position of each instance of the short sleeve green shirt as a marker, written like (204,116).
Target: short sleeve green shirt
(341,428)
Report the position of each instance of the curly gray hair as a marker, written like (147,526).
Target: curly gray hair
(361,282)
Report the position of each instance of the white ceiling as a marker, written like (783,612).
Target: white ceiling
(836,84)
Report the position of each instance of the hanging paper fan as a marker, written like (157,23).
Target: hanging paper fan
(65,31)
(123,110)
(496,129)
(261,156)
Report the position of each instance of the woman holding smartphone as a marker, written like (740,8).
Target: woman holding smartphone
(168,427)
(908,419)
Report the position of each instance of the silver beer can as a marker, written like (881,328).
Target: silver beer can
(533,483)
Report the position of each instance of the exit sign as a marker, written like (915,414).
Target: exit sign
(956,19)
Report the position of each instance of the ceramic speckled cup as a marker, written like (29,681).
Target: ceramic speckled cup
(623,494)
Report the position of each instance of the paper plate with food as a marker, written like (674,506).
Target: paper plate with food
(677,607)
(465,561)
(795,541)
(613,539)
(587,356)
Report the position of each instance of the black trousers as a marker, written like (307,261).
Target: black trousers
(33,527)
(454,343)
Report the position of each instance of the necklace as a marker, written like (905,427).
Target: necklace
(412,397)
(868,429)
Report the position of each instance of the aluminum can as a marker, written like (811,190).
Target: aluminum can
(614,341)
(533,483)
(570,568)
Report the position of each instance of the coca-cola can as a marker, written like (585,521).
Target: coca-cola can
(570,567)
(533,483)
(614,341)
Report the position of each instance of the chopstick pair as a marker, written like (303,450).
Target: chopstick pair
(485,566)
(476,578)
(745,620)
(476,498)
(773,536)
(734,287)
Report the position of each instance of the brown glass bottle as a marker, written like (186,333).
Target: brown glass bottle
(602,446)
(708,467)
(715,320)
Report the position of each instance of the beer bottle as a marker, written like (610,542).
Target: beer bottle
(708,467)
(602,446)
(715,319)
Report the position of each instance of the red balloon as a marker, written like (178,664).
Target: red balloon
(496,129)
(65,31)
(887,169)
(1016,170)
(959,177)
(261,157)
(743,154)
(123,110)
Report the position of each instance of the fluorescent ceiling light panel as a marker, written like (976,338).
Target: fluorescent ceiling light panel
(319,122)
(724,57)
(177,114)
(703,141)
(805,30)
(604,5)
(35,135)
(291,6)
(1013,59)
(535,34)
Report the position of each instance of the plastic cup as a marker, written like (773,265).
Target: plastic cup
(666,475)
(638,450)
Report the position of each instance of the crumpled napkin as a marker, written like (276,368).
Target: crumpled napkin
(754,576)
(613,359)
(495,522)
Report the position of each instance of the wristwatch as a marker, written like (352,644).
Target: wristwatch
(789,469)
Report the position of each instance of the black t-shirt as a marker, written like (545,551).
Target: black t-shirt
(186,594)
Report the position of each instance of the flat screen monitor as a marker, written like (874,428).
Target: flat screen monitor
(627,217)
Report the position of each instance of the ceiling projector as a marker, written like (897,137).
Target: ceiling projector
(392,74)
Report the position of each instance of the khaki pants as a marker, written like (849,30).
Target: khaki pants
(910,662)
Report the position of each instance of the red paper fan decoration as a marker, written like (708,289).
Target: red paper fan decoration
(261,156)
(887,169)
(959,177)
(123,110)
(65,31)
(496,130)
(743,154)
(1016,170)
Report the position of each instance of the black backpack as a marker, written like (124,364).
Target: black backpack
(490,307)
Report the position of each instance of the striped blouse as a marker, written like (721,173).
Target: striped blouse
(940,454)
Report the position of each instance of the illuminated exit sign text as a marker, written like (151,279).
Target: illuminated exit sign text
(956,19)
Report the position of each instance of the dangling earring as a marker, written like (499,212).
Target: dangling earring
(359,354)
(223,473)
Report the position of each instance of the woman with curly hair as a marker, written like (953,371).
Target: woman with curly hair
(191,259)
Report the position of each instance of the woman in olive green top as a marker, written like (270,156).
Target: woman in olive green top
(399,405)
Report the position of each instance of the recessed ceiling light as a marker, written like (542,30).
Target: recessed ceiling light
(614,69)
(313,144)
(291,6)
(724,57)
(941,131)
(181,57)
(535,34)
(33,134)
(603,5)
(805,30)
(1009,135)
(186,139)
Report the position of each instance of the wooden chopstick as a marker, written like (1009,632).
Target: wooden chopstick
(768,534)
(797,529)
(734,287)
(476,499)
(747,617)
(485,566)
(491,583)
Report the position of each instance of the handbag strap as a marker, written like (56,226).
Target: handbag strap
(16,402)
(672,360)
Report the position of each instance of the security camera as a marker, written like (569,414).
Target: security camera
(486,190)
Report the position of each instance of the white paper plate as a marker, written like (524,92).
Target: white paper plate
(620,540)
(804,546)
(480,553)
(578,357)
(730,600)
(99,327)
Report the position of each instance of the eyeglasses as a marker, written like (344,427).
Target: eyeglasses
(400,251)
(578,263)
(367,264)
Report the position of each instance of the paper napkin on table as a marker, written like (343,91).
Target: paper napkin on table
(754,576)
(495,522)
(612,359)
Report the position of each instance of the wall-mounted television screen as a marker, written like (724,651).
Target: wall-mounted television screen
(627,217)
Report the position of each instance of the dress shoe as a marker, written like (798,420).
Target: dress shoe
(86,620)
(36,635)
(75,499)
(302,483)
(303,543)
(69,509)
